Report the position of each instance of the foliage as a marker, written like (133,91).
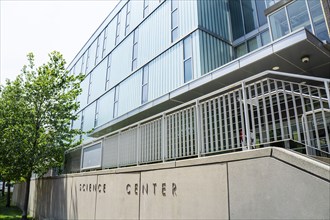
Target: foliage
(36,111)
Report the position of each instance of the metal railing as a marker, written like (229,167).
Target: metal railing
(266,109)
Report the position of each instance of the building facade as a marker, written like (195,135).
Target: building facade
(172,79)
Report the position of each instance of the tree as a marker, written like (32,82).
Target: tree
(36,111)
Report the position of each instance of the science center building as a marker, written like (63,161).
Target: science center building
(169,80)
(199,109)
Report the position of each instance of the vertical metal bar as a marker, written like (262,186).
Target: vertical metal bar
(206,134)
(304,115)
(324,120)
(253,134)
(118,144)
(165,143)
(231,123)
(236,120)
(145,145)
(173,136)
(265,112)
(314,118)
(191,129)
(258,112)
(142,143)
(138,143)
(225,119)
(154,140)
(176,135)
(163,136)
(220,124)
(160,129)
(215,125)
(279,109)
(242,131)
(184,127)
(211,127)
(295,112)
(326,86)
(272,110)
(179,134)
(246,115)
(287,111)
(148,142)
(198,127)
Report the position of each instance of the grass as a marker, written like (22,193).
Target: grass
(12,212)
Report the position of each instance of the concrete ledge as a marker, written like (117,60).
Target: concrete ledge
(146,167)
(223,158)
(302,162)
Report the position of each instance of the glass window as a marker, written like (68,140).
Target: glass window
(175,34)
(105,108)
(115,104)
(261,6)
(250,15)
(145,8)
(145,80)
(174,4)
(265,37)
(87,61)
(118,28)
(82,98)
(187,59)
(317,15)
(107,78)
(104,41)
(252,44)
(174,19)
(128,17)
(91,156)
(270,2)
(99,48)
(89,117)
(236,18)
(96,113)
(83,62)
(241,50)
(76,124)
(98,76)
(187,48)
(135,50)
(298,16)
(91,56)
(188,70)
(77,67)
(279,24)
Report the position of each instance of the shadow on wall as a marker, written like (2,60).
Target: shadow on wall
(51,198)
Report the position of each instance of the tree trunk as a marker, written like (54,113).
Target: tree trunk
(3,187)
(26,198)
(8,194)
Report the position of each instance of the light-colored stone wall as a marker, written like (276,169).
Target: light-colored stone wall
(267,183)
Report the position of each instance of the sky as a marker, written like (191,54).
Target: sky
(43,26)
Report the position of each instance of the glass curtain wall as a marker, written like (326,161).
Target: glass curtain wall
(247,18)
(296,15)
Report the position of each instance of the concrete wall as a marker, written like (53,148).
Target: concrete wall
(267,183)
